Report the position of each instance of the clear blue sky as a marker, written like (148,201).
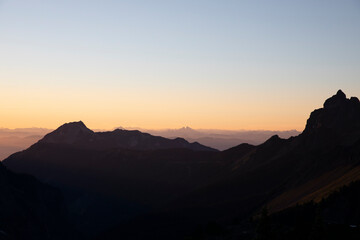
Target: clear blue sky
(211,64)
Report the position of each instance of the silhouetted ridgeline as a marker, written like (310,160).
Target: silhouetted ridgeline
(15,140)
(220,139)
(131,185)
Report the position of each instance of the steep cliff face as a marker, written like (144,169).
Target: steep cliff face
(340,117)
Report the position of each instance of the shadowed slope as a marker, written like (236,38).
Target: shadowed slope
(30,209)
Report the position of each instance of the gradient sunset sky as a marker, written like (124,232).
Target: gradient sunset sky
(167,64)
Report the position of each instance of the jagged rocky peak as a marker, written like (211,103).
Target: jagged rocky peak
(339,113)
(336,100)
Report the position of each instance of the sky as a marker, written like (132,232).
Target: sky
(167,64)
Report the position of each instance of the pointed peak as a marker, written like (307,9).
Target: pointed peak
(340,93)
(273,139)
(69,133)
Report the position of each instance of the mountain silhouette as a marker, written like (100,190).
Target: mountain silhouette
(127,170)
(78,135)
(168,178)
(217,138)
(340,118)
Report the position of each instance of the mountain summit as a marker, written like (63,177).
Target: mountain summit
(69,133)
(339,115)
(336,100)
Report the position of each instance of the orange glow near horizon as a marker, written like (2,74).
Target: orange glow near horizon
(101,109)
(154,107)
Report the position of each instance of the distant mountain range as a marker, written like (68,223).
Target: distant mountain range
(14,140)
(158,188)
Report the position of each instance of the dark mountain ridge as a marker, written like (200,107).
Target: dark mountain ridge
(78,135)
(284,172)
(340,117)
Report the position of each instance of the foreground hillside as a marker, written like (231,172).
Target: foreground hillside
(30,209)
(334,217)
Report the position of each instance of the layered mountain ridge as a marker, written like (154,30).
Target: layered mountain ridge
(195,183)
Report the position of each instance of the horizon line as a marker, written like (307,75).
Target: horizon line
(158,129)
